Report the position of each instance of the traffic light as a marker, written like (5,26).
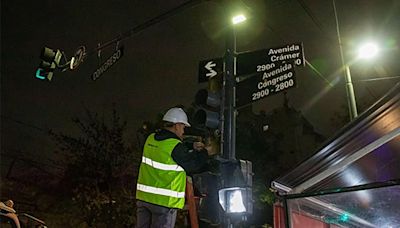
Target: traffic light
(247,172)
(50,59)
(227,191)
(208,104)
(236,196)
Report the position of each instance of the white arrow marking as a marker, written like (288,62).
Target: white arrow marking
(209,66)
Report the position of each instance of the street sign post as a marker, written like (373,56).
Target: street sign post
(264,72)
(209,69)
(117,55)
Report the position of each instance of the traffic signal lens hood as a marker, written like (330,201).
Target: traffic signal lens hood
(45,65)
(48,54)
(206,118)
(205,97)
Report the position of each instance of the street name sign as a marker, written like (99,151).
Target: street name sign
(265,59)
(267,72)
(259,73)
(262,85)
(210,68)
(117,55)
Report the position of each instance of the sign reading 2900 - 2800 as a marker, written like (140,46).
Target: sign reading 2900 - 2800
(275,80)
(271,70)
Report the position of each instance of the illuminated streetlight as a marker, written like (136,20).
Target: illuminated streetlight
(238,19)
(229,105)
(368,50)
(235,200)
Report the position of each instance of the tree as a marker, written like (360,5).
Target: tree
(101,171)
(274,142)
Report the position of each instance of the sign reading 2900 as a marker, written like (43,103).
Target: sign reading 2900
(272,82)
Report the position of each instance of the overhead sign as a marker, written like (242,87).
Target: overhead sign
(210,68)
(262,85)
(265,59)
(108,63)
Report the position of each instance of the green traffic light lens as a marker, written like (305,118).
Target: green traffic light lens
(344,217)
(39,74)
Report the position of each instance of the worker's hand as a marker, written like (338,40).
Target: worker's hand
(211,146)
(211,150)
(198,146)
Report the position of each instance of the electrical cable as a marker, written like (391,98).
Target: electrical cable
(377,79)
(145,25)
(313,68)
(310,14)
(25,124)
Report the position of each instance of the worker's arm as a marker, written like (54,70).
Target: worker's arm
(192,162)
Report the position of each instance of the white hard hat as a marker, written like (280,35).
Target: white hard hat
(176,115)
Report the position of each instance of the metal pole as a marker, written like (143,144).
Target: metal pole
(229,117)
(351,99)
(229,133)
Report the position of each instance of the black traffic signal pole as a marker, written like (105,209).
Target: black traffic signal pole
(229,104)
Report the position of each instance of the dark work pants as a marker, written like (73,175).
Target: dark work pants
(154,216)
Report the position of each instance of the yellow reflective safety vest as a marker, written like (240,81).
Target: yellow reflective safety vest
(161,181)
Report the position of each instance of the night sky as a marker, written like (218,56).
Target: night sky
(160,64)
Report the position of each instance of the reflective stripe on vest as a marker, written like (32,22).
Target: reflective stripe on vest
(160,191)
(161,166)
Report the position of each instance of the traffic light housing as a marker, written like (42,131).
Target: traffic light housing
(208,104)
(227,191)
(236,198)
(50,60)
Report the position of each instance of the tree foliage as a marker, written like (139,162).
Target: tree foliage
(274,142)
(101,170)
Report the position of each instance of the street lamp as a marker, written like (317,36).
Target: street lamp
(229,105)
(231,196)
(238,19)
(366,51)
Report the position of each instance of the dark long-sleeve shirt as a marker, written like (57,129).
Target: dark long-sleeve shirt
(190,160)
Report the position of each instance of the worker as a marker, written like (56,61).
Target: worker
(161,184)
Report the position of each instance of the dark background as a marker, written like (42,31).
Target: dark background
(160,64)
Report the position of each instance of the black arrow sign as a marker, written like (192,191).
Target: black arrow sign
(210,68)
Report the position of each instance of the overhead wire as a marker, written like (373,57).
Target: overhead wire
(25,124)
(378,79)
(145,25)
(311,15)
(315,20)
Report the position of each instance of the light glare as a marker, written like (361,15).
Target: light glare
(368,51)
(236,202)
(238,19)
